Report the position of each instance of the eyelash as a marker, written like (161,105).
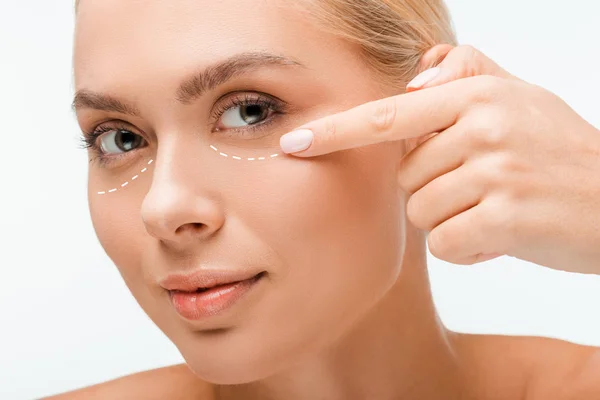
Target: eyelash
(247,99)
(89,139)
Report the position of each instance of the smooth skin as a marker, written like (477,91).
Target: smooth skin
(555,370)
(532,164)
(387,342)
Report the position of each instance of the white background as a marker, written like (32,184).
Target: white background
(66,318)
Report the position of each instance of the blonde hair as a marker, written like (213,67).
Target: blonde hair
(393,35)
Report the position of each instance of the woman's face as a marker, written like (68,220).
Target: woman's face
(326,233)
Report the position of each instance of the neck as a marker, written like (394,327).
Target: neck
(399,350)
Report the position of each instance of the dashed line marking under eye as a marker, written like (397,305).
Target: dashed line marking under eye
(238,158)
(127,183)
(241,158)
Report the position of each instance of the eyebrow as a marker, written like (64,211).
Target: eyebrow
(197,84)
(98,101)
(192,87)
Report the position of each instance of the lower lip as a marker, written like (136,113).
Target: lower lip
(195,306)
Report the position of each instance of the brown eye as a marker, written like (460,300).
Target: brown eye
(244,115)
(120,141)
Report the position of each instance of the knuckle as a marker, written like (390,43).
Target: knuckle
(504,215)
(329,130)
(402,180)
(467,49)
(505,163)
(487,89)
(486,176)
(467,60)
(488,129)
(383,117)
(439,243)
(499,165)
(500,218)
(415,212)
(501,173)
(509,173)
(495,172)
(515,191)
(468,52)
(404,177)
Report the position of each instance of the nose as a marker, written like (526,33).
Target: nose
(178,209)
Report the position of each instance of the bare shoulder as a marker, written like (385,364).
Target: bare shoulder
(175,382)
(531,368)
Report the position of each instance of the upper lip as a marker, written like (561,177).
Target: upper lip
(204,279)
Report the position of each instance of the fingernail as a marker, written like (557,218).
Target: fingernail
(296,141)
(423,78)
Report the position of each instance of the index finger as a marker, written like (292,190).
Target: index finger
(398,117)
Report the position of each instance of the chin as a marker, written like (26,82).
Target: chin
(240,370)
(241,355)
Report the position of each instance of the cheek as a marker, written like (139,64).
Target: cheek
(120,230)
(337,225)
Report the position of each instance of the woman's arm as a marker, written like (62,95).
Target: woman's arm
(174,383)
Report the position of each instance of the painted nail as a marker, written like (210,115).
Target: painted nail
(296,141)
(423,78)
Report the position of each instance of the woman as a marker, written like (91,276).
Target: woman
(301,275)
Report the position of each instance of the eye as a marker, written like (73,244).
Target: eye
(247,112)
(243,115)
(119,141)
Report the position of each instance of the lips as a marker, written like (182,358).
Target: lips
(205,279)
(208,293)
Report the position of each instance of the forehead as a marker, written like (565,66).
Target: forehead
(144,37)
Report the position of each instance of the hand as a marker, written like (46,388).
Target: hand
(508,169)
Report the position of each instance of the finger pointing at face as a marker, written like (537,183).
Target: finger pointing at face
(394,118)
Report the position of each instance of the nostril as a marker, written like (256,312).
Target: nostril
(195,227)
